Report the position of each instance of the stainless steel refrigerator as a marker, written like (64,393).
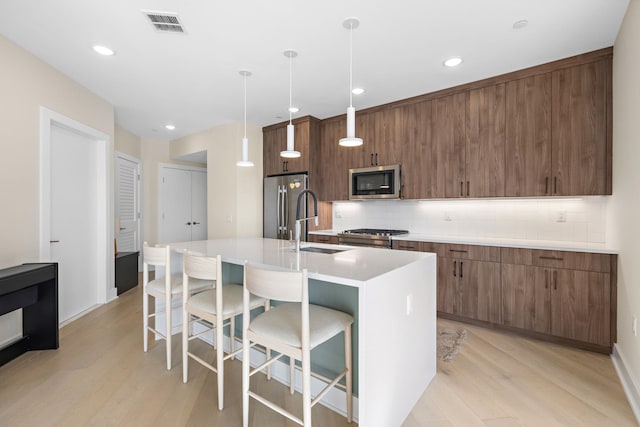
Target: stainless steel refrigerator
(280,198)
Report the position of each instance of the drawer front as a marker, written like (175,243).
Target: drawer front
(558,259)
(406,245)
(480,253)
(321,238)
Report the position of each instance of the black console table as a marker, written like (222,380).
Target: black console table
(34,288)
(126,271)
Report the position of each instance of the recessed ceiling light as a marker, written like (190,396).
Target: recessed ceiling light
(357,91)
(453,62)
(103,50)
(170,127)
(520,24)
(293,109)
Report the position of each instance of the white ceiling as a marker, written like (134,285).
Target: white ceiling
(192,80)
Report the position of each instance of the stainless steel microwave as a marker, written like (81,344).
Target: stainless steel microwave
(378,182)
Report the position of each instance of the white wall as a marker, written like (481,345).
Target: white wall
(528,219)
(624,214)
(234,193)
(26,84)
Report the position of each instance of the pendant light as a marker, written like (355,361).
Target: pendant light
(245,142)
(290,153)
(351,140)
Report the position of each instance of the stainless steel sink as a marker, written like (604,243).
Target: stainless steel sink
(321,250)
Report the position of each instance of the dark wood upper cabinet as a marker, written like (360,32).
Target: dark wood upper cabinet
(542,131)
(581,156)
(447,158)
(485,142)
(413,133)
(528,137)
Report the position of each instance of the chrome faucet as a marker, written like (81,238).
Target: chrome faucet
(299,220)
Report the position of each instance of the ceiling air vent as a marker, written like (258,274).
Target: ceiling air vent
(164,22)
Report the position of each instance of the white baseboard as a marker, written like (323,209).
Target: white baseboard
(335,399)
(631,389)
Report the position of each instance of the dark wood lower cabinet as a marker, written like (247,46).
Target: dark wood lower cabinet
(560,296)
(564,303)
(469,288)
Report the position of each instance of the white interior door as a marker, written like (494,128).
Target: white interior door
(175,209)
(183,204)
(127,203)
(198,205)
(74,219)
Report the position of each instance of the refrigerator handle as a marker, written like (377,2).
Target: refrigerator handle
(285,210)
(278,211)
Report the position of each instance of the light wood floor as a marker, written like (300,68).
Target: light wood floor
(100,376)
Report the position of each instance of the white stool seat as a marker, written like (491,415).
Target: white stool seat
(157,286)
(284,324)
(231,300)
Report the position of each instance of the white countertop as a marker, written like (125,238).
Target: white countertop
(500,242)
(353,267)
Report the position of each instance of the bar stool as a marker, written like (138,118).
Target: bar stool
(164,288)
(218,306)
(292,328)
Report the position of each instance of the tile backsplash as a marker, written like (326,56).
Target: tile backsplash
(558,219)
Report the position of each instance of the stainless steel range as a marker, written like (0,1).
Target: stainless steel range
(371,237)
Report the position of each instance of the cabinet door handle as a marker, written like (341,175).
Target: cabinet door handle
(546,279)
(461,188)
(461,264)
(458,250)
(187,223)
(371,161)
(555,280)
(195,223)
(555,184)
(376,159)
(467,188)
(552,258)
(546,185)
(454,268)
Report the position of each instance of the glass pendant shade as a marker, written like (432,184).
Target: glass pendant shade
(351,140)
(291,153)
(245,154)
(245,162)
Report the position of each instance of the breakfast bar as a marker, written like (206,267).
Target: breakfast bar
(390,294)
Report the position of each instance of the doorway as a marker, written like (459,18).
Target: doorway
(75,205)
(127,205)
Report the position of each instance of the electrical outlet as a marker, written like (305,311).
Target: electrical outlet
(447,216)
(338,213)
(409,304)
(634,326)
(229,218)
(561,216)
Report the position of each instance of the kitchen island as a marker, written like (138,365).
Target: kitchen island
(392,296)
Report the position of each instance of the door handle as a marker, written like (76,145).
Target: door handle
(546,279)
(461,188)
(54,241)
(123,228)
(376,159)
(555,184)
(555,280)
(461,264)
(187,223)
(195,223)
(372,159)
(546,185)
(467,188)
(455,268)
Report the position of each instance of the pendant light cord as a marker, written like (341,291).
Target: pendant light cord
(351,65)
(245,105)
(290,84)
